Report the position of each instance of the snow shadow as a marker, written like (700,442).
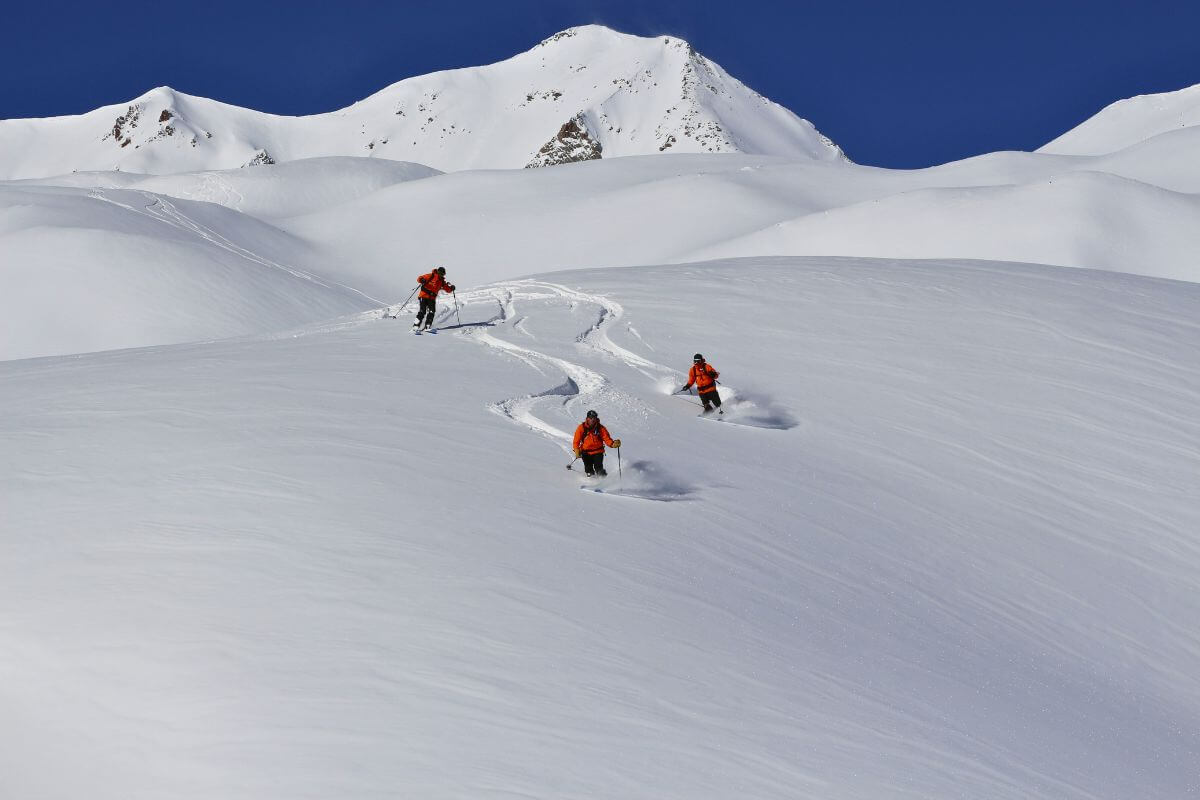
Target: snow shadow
(642,479)
(567,389)
(460,326)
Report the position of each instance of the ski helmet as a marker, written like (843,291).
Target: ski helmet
(441,271)
(592,415)
(697,357)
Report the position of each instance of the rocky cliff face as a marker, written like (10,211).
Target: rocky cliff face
(573,142)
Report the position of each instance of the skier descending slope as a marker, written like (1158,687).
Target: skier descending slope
(431,284)
(590,439)
(705,378)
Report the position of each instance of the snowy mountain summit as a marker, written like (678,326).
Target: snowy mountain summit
(585,93)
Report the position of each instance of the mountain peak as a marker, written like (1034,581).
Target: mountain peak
(604,35)
(585,92)
(585,32)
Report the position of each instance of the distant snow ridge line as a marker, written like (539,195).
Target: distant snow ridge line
(586,93)
(1129,122)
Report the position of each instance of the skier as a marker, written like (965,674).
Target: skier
(705,378)
(431,284)
(590,438)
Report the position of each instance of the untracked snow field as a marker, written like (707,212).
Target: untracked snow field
(945,543)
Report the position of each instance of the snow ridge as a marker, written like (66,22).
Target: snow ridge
(1129,122)
(585,93)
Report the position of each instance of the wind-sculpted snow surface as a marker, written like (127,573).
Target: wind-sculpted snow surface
(95,269)
(267,192)
(345,561)
(1128,122)
(1133,211)
(75,277)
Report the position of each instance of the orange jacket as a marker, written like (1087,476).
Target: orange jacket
(432,283)
(704,376)
(592,440)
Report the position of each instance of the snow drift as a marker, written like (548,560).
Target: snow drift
(1128,122)
(101,269)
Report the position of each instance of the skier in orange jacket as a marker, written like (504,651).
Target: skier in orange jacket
(704,376)
(590,438)
(431,284)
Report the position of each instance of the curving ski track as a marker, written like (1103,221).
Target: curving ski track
(582,385)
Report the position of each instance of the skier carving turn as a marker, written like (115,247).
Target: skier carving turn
(589,442)
(704,376)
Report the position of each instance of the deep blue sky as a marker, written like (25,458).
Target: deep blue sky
(898,84)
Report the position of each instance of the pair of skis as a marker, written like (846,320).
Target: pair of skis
(703,413)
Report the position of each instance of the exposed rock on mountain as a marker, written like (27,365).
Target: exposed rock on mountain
(573,142)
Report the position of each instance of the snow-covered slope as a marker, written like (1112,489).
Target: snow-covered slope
(1078,219)
(944,546)
(375,224)
(585,92)
(266,192)
(1128,122)
(98,269)
(1098,213)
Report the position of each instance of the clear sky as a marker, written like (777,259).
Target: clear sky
(897,84)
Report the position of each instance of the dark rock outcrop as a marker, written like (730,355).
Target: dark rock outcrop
(573,142)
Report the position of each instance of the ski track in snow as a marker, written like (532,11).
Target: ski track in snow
(581,385)
(215,189)
(165,211)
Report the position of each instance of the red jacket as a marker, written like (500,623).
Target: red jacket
(432,283)
(704,376)
(592,440)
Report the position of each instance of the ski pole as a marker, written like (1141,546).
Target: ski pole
(455,298)
(618,462)
(572,462)
(410,297)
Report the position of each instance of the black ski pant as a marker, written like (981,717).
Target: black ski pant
(593,463)
(428,307)
(710,397)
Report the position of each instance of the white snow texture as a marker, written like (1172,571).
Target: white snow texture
(259,541)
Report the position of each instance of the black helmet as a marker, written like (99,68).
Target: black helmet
(441,271)
(697,357)
(592,415)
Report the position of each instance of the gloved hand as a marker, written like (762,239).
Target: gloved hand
(617,443)
(451,288)
(579,454)
(685,388)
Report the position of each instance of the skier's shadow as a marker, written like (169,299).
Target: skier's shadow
(463,325)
